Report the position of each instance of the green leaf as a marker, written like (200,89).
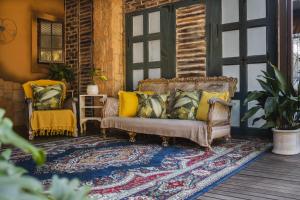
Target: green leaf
(269,124)
(270,106)
(252,111)
(5,155)
(253,96)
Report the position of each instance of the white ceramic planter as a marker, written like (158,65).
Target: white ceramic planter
(286,142)
(92,90)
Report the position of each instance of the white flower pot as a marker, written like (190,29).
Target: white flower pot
(286,142)
(92,90)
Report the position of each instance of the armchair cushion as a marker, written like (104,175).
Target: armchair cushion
(47,97)
(202,113)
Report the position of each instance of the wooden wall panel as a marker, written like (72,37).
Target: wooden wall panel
(190,41)
(109,44)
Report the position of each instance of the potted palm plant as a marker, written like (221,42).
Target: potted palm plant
(61,72)
(281,105)
(96,74)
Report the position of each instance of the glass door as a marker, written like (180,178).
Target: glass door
(247,30)
(143,47)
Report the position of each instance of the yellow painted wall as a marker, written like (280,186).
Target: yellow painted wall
(15,57)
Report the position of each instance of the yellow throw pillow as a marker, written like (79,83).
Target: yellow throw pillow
(202,112)
(128,103)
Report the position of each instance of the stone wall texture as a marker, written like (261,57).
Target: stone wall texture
(12,100)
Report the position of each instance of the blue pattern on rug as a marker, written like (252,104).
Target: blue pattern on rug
(117,169)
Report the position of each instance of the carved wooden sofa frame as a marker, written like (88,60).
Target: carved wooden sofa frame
(219,115)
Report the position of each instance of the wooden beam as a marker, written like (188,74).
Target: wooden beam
(285,31)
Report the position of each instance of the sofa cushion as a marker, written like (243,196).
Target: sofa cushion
(190,129)
(185,105)
(152,106)
(128,103)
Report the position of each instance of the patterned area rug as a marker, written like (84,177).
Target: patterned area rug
(117,169)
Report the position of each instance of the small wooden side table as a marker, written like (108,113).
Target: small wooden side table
(83,106)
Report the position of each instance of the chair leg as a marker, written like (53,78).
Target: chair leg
(103,131)
(132,137)
(165,141)
(209,148)
(31,135)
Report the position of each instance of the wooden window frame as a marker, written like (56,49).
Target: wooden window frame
(37,67)
(39,20)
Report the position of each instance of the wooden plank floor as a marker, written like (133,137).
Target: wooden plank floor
(270,177)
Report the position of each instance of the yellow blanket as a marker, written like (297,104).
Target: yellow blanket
(53,122)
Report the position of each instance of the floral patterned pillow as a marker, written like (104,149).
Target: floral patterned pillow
(152,106)
(185,105)
(47,97)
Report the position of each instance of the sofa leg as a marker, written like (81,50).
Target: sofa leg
(209,148)
(165,141)
(132,137)
(103,131)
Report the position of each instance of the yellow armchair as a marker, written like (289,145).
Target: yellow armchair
(50,122)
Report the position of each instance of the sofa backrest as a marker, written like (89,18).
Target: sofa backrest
(211,84)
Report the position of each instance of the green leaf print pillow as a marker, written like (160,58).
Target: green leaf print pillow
(47,97)
(185,105)
(152,106)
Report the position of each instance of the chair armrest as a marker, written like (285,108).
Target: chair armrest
(111,107)
(219,112)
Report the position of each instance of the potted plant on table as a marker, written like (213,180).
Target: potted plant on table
(61,72)
(97,74)
(281,105)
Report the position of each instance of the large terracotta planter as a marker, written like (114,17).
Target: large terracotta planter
(92,90)
(286,142)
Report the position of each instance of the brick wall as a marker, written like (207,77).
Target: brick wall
(78,40)
(190,41)
(137,5)
(12,100)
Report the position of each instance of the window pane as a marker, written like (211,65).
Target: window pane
(154,22)
(57,42)
(231,44)
(230,11)
(45,28)
(138,52)
(154,73)
(235,113)
(137,75)
(137,25)
(257,42)
(57,56)
(254,70)
(256,9)
(154,50)
(57,29)
(232,71)
(46,41)
(45,56)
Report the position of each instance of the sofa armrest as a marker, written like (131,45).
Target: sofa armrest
(111,107)
(29,110)
(219,112)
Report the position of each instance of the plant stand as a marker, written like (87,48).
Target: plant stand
(83,106)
